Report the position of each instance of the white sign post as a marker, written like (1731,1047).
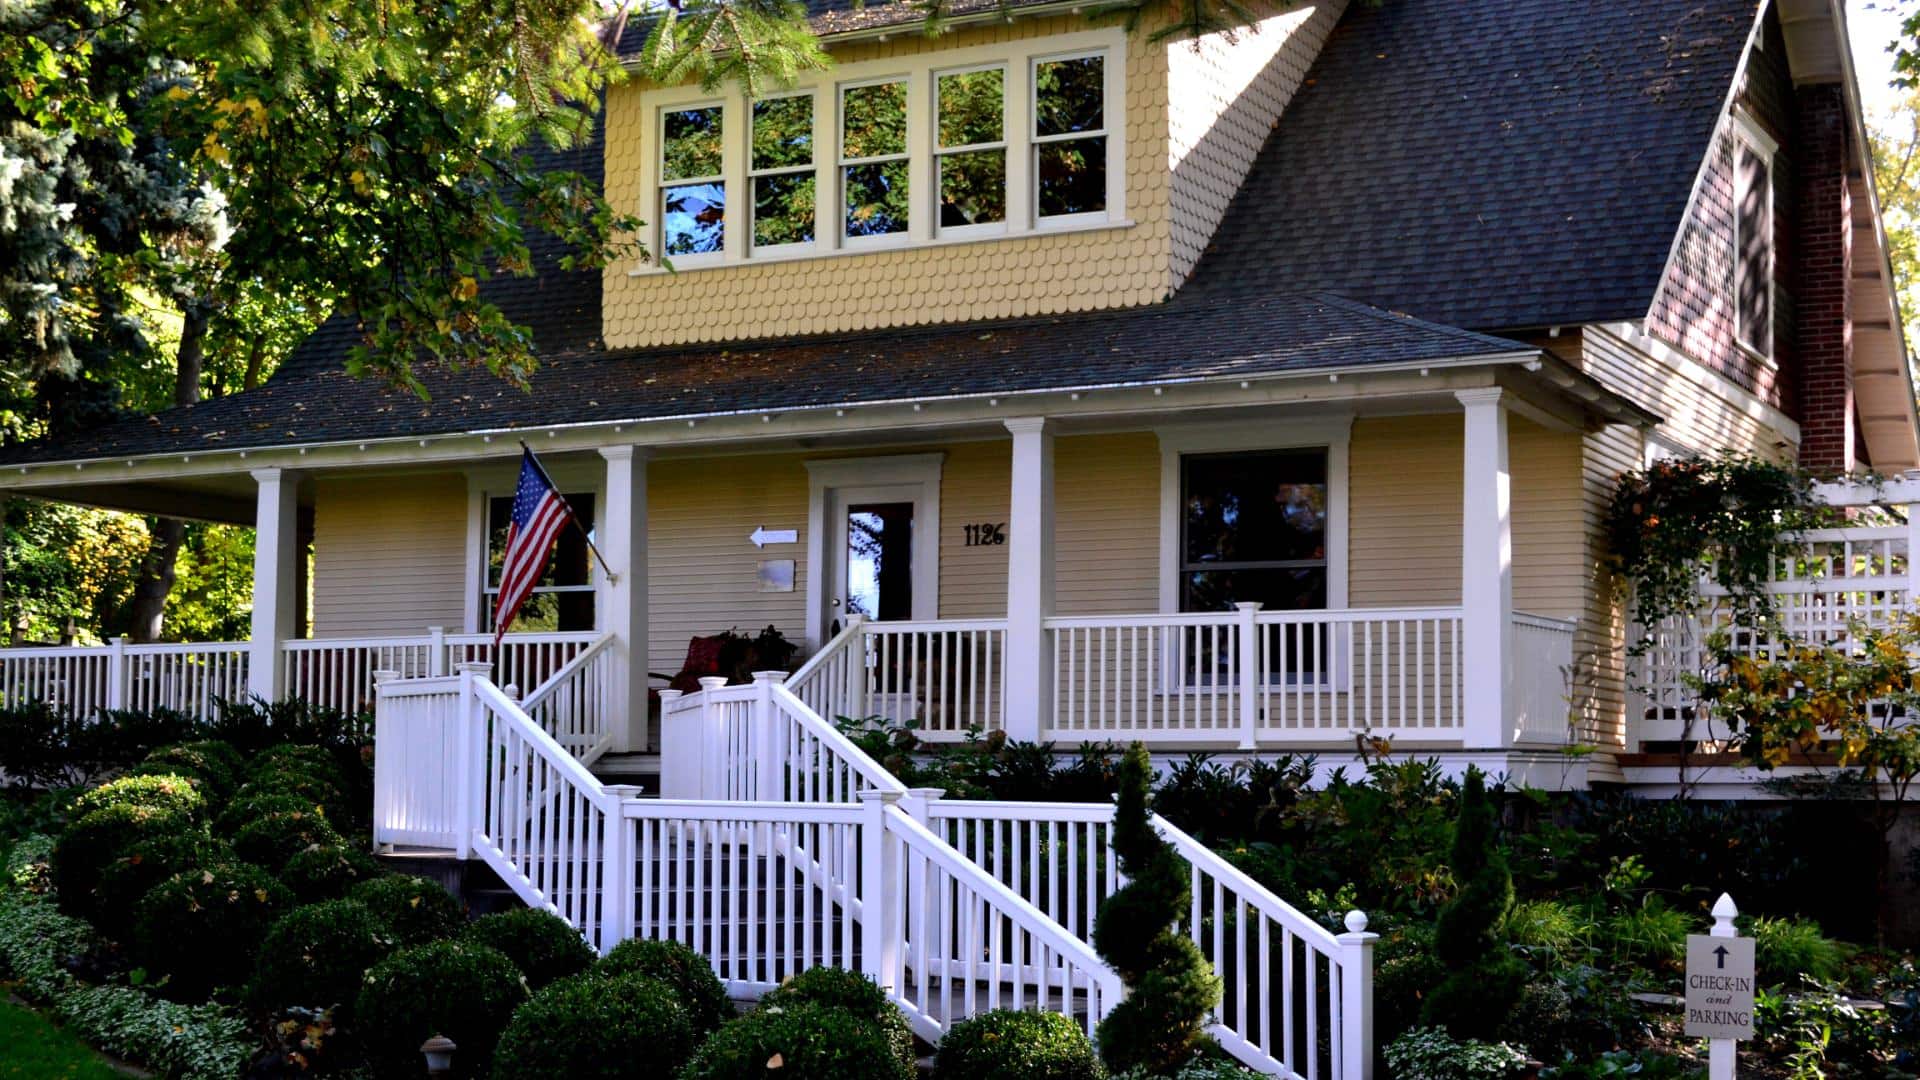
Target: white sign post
(1720,989)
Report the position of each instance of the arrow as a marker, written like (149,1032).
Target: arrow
(1720,954)
(762,536)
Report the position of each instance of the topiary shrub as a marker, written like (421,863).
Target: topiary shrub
(256,805)
(88,845)
(201,928)
(1484,978)
(127,879)
(270,841)
(214,763)
(809,1042)
(539,943)
(327,871)
(620,1027)
(317,956)
(418,910)
(303,786)
(852,992)
(465,992)
(174,794)
(686,971)
(1009,1045)
(1171,989)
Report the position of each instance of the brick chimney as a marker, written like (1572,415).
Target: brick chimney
(1823,279)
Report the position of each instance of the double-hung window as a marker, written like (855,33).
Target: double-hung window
(1070,138)
(970,150)
(693,184)
(873,160)
(563,598)
(781,167)
(1254,527)
(1753,239)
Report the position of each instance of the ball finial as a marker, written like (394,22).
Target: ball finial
(1356,922)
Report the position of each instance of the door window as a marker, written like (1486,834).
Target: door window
(879,560)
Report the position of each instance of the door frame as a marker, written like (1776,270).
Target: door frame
(825,480)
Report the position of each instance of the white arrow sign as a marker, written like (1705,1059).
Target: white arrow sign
(762,536)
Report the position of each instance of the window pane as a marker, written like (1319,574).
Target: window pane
(873,122)
(692,143)
(783,132)
(880,560)
(1756,244)
(971,106)
(1263,507)
(783,209)
(567,564)
(1073,176)
(1296,589)
(876,198)
(546,612)
(1069,95)
(694,218)
(973,188)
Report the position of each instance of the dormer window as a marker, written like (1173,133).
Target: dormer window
(1753,237)
(948,145)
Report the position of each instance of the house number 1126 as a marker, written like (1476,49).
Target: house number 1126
(986,535)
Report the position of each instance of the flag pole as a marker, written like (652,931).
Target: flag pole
(612,578)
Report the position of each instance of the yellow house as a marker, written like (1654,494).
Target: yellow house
(1255,393)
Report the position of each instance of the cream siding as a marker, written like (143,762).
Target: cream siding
(973,491)
(389,555)
(1106,524)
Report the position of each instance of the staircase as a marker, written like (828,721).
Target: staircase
(781,846)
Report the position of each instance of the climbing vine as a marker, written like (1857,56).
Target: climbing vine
(1726,518)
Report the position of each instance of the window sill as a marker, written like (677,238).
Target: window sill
(765,258)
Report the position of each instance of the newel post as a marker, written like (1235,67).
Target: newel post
(856,696)
(617,872)
(769,785)
(1246,643)
(713,742)
(470,719)
(1356,998)
(118,675)
(679,748)
(880,893)
(384,736)
(436,652)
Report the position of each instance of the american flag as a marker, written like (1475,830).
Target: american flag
(539,513)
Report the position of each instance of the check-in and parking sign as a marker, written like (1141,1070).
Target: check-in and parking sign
(1719,987)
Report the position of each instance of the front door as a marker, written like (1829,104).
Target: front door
(872,553)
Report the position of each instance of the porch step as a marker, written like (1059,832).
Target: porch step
(639,770)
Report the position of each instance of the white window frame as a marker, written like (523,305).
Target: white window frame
(486,483)
(939,152)
(1748,135)
(752,191)
(660,182)
(1035,140)
(1017,116)
(915,183)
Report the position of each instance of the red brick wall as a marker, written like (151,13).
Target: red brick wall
(1823,273)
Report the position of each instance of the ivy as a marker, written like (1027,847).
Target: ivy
(1726,518)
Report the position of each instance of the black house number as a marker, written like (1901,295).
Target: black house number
(986,535)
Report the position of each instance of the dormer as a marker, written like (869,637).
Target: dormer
(1019,164)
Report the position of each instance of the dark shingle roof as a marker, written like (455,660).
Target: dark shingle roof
(1493,163)
(1170,343)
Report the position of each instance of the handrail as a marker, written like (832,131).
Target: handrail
(819,659)
(506,709)
(581,659)
(1252,892)
(842,748)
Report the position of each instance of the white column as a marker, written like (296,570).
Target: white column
(274,527)
(1028,661)
(622,537)
(1486,572)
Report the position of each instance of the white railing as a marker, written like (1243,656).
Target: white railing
(1542,665)
(761,743)
(188,678)
(577,704)
(945,677)
(338,672)
(833,681)
(416,730)
(1055,855)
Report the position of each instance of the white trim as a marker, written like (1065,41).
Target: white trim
(824,478)
(1704,377)
(1333,432)
(1748,135)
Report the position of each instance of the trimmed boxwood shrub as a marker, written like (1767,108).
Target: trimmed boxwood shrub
(838,988)
(418,910)
(89,844)
(253,807)
(328,871)
(539,943)
(214,763)
(306,787)
(125,880)
(620,1027)
(465,992)
(686,971)
(201,928)
(317,955)
(812,1042)
(312,760)
(270,841)
(1009,1045)
(177,794)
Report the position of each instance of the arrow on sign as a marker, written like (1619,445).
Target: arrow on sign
(1720,955)
(762,536)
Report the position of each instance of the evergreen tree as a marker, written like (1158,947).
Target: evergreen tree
(1484,979)
(1171,988)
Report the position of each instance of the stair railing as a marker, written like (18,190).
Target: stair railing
(576,702)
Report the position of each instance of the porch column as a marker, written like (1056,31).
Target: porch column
(1028,665)
(1486,572)
(623,600)
(275,529)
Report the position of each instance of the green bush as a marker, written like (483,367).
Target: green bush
(252,807)
(1009,1045)
(1785,949)
(686,971)
(811,1042)
(615,1027)
(317,955)
(306,787)
(418,910)
(1651,934)
(271,840)
(174,794)
(90,844)
(1547,925)
(125,880)
(1402,979)
(214,763)
(539,943)
(313,761)
(838,988)
(1484,979)
(465,992)
(201,928)
(1431,1054)
(326,872)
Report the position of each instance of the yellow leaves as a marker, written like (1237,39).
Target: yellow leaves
(414,903)
(249,113)
(214,149)
(260,895)
(358,178)
(466,288)
(177,93)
